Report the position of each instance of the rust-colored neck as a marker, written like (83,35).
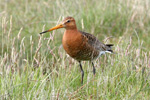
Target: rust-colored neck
(71,28)
(71,34)
(72,40)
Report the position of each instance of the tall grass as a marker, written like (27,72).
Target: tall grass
(34,66)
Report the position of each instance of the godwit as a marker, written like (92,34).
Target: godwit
(80,45)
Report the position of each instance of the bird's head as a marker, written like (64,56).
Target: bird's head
(67,23)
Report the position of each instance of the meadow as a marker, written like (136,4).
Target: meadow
(36,67)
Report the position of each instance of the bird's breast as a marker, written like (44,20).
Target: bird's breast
(72,43)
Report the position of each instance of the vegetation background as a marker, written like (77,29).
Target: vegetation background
(34,66)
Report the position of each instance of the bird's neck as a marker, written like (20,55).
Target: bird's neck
(71,35)
(72,32)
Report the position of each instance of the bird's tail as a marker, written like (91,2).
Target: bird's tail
(109,48)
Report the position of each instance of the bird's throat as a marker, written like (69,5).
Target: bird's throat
(71,35)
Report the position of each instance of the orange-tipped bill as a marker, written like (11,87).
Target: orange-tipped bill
(54,28)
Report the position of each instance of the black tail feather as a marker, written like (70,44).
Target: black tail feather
(109,47)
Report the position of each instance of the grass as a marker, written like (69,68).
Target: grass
(37,67)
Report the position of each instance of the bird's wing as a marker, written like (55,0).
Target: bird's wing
(94,42)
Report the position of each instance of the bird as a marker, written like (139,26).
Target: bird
(81,46)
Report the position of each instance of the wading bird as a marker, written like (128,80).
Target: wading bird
(80,45)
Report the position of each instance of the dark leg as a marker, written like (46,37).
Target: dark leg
(82,72)
(94,70)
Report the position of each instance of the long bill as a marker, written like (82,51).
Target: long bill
(54,28)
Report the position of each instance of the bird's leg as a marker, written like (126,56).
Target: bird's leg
(94,70)
(82,72)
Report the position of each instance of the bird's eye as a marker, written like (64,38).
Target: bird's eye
(68,21)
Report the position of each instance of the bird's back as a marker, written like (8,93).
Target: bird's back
(93,48)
